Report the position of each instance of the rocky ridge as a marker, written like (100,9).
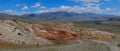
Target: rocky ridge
(38,35)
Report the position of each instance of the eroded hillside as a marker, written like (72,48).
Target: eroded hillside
(18,32)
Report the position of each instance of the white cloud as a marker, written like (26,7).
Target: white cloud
(76,9)
(90,0)
(106,0)
(110,9)
(17,5)
(86,1)
(89,4)
(25,7)
(92,5)
(12,12)
(36,5)
(43,7)
(118,14)
(9,11)
(21,13)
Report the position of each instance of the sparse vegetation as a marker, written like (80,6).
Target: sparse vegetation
(20,34)
(0,34)
(110,26)
(61,44)
(118,44)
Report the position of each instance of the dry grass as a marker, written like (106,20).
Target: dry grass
(110,26)
(81,46)
(5,44)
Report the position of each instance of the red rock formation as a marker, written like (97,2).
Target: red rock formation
(55,33)
(52,33)
(24,26)
(63,34)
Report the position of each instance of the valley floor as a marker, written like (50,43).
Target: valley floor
(86,45)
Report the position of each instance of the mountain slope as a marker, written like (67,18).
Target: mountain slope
(10,17)
(61,15)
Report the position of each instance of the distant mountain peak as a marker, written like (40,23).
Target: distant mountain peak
(62,15)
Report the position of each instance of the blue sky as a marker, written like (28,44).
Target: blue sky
(18,7)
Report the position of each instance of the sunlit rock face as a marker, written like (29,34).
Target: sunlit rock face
(89,34)
(19,33)
(52,33)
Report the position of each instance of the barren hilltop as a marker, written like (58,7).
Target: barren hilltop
(21,34)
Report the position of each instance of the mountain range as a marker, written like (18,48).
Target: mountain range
(64,16)
(11,17)
(61,15)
